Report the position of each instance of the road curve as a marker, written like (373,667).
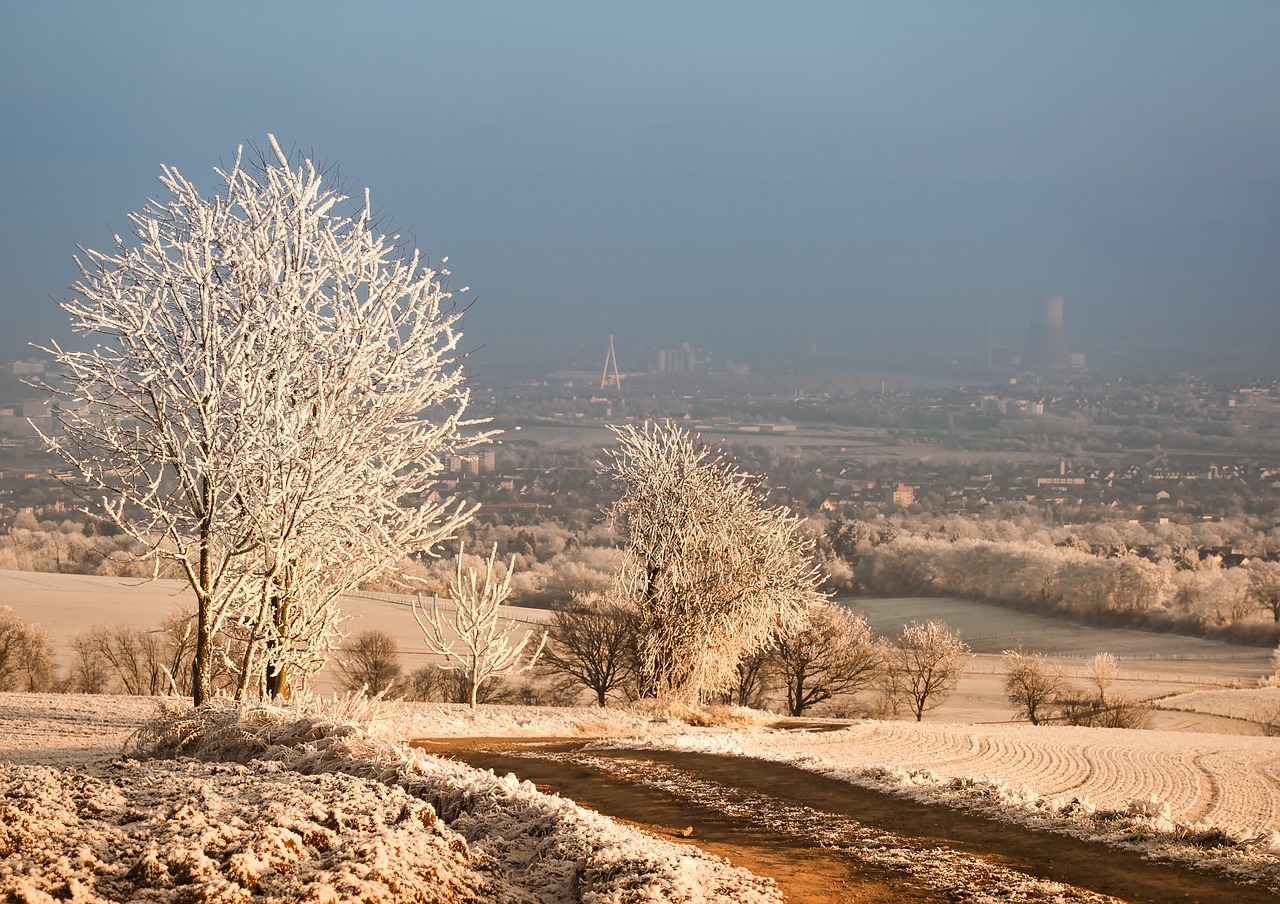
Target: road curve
(825,840)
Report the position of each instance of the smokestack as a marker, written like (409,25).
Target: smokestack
(1047,339)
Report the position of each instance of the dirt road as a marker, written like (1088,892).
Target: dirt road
(824,840)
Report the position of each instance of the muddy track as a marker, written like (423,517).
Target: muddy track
(825,840)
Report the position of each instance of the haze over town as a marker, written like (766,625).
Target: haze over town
(768,181)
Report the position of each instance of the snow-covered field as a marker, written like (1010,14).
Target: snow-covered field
(1255,704)
(1225,781)
(74,816)
(1196,796)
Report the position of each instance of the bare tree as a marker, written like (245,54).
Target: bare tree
(834,653)
(90,673)
(926,664)
(26,656)
(1098,707)
(122,658)
(264,382)
(487,646)
(1031,684)
(371,662)
(592,640)
(752,679)
(713,571)
(431,684)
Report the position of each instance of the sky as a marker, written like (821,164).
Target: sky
(752,178)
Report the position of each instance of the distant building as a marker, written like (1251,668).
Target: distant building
(473,464)
(677,361)
(901,495)
(1047,338)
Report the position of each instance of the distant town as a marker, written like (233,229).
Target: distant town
(1060,445)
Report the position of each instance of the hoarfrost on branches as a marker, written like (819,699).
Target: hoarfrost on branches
(714,572)
(925,664)
(487,648)
(265,392)
(833,654)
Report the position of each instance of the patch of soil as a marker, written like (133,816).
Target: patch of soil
(825,840)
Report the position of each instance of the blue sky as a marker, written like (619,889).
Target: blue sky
(738,175)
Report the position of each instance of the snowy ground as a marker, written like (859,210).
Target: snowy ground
(1194,796)
(1256,704)
(274,805)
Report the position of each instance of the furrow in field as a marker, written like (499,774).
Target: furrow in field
(1247,792)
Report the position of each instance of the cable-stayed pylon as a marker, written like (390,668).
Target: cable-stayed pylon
(611,359)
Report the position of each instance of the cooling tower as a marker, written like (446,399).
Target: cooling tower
(1047,340)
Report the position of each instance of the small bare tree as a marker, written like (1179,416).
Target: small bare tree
(488,649)
(89,673)
(432,684)
(371,662)
(926,664)
(1103,709)
(1102,671)
(1031,684)
(26,655)
(592,641)
(121,658)
(834,653)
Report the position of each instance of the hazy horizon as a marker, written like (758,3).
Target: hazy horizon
(759,180)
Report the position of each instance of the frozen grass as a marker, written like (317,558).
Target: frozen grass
(496,838)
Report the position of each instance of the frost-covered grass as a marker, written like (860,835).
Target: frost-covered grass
(248,808)
(174,831)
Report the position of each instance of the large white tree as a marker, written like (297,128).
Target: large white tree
(714,571)
(264,395)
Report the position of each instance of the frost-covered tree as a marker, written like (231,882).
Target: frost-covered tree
(925,664)
(1264,587)
(1102,671)
(485,642)
(714,571)
(264,395)
(834,653)
(1031,684)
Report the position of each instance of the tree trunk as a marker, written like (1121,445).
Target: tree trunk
(278,682)
(277,678)
(200,689)
(200,662)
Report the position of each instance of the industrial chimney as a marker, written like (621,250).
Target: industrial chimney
(1047,340)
